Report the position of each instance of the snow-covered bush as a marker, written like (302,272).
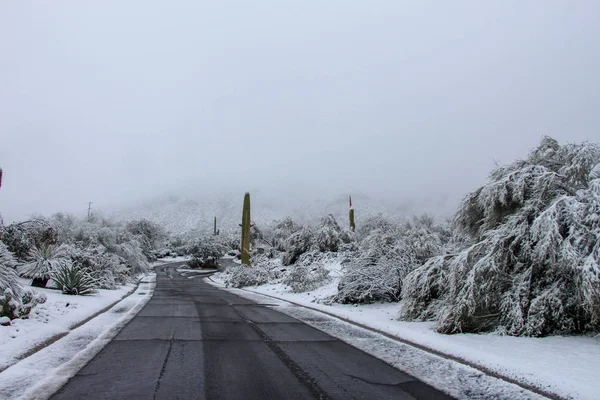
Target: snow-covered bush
(373,223)
(385,256)
(134,257)
(43,260)
(107,269)
(420,238)
(329,236)
(8,276)
(21,238)
(240,276)
(533,268)
(15,306)
(73,279)
(297,244)
(206,251)
(148,234)
(375,273)
(278,234)
(309,272)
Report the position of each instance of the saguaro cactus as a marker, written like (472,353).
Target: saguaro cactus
(246,231)
(351,214)
(215,232)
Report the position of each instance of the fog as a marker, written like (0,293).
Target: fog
(119,102)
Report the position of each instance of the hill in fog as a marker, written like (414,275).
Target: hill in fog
(180,214)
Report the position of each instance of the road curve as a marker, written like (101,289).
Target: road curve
(194,341)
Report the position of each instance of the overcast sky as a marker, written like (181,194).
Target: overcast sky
(115,101)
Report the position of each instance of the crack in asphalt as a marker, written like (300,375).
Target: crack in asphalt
(374,383)
(164,366)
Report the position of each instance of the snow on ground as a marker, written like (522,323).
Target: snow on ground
(165,260)
(566,366)
(43,373)
(57,316)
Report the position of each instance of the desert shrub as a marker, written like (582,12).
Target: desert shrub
(376,272)
(107,269)
(13,306)
(148,234)
(206,251)
(419,236)
(309,272)
(240,276)
(73,279)
(21,238)
(329,236)
(370,224)
(134,257)
(297,244)
(278,234)
(385,256)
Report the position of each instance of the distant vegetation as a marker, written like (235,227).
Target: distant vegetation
(520,257)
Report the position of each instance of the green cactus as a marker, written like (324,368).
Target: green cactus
(351,214)
(246,231)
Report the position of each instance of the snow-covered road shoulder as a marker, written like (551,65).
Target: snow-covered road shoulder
(41,374)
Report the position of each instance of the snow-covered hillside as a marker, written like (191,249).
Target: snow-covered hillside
(180,214)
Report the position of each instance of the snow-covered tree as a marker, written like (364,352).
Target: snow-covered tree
(533,266)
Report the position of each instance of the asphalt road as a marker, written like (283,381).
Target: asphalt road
(194,341)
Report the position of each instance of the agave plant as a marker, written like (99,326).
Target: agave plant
(44,260)
(72,279)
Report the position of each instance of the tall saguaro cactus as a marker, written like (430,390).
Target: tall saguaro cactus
(215,231)
(351,215)
(246,231)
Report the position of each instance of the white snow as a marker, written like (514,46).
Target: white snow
(43,373)
(566,366)
(165,260)
(57,316)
